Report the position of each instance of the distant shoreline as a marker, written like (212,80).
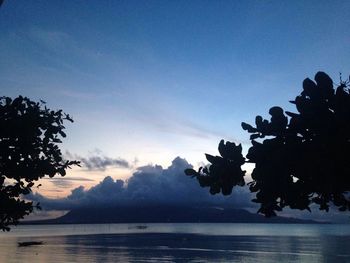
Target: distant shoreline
(166,214)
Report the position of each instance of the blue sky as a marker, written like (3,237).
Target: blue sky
(146,81)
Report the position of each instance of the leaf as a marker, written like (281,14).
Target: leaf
(190,172)
(62,134)
(310,88)
(222,148)
(248,127)
(211,158)
(258,121)
(62,172)
(276,111)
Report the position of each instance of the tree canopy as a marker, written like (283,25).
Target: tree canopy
(29,138)
(300,158)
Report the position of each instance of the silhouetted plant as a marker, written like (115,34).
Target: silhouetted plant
(29,135)
(300,158)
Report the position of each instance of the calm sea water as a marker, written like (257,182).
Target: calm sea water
(178,243)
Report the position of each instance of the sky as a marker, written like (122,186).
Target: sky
(149,81)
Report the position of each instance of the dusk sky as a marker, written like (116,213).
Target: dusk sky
(148,81)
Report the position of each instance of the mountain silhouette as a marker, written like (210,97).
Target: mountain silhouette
(165,214)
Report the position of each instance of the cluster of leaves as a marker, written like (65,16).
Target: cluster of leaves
(300,158)
(29,135)
(224,172)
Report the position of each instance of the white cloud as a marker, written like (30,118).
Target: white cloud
(151,184)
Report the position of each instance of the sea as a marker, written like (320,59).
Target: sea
(185,242)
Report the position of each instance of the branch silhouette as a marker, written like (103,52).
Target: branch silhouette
(29,138)
(300,158)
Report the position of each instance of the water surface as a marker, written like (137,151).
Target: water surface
(178,243)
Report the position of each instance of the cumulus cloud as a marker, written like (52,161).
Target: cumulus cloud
(151,184)
(98,162)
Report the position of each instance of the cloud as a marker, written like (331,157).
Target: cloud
(60,42)
(171,123)
(101,163)
(53,40)
(151,184)
(64,182)
(61,183)
(98,162)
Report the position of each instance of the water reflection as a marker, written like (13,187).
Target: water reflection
(178,247)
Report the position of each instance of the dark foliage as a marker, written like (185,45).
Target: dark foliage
(29,134)
(300,158)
